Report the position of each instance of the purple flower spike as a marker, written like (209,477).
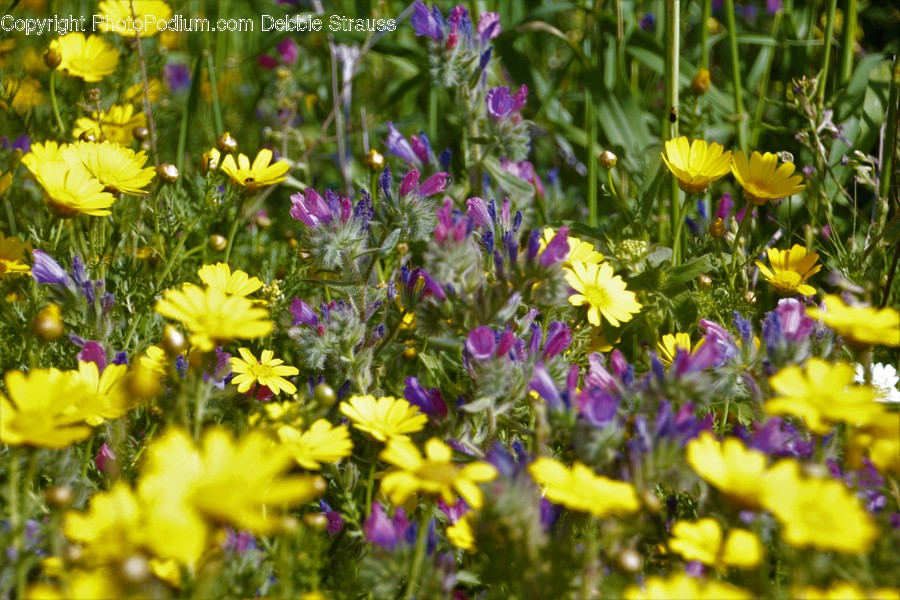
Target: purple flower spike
(303,313)
(409,183)
(478,212)
(488,27)
(597,406)
(795,324)
(311,208)
(430,402)
(481,343)
(559,336)
(399,146)
(557,250)
(501,104)
(93,352)
(383,531)
(427,23)
(46,270)
(435,184)
(544,385)
(105,458)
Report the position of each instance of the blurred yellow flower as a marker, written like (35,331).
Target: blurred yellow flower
(214,318)
(703,541)
(879,441)
(669,344)
(790,270)
(460,533)
(859,325)
(268,371)
(25,95)
(844,590)
(579,488)
(763,179)
(321,443)
(89,58)
(220,278)
(682,585)
(823,394)
(12,256)
(261,173)
(119,169)
(111,529)
(110,395)
(818,513)
(116,125)
(155,359)
(384,418)
(605,294)
(696,164)
(135,93)
(729,466)
(145,21)
(578,248)
(433,474)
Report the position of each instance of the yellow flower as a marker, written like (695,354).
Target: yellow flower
(80,585)
(89,58)
(823,394)
(460,533)
(682,585)
(259,174)
(46,408)
(155,359)
(703,541)
(604,293)
(434,473)
(579,488)
(25,95)
(241,482)
(844,590)
(880,441)
(790,270)
(696,164)
(146,19)
(135,93)
(214,318)
(384,418)
(763,179)
(669,344)
(12,256)
(116,125)
(71,190)
(578,248)
(220,278)
(321,443)
(42,154)
(859,325)
(119,169)
(109,389)
(729,466)
(818,513)
(111,529)
(268,371)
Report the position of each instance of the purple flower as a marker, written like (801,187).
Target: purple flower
(723,210)
(777,438)
(46,270)
(598,407)
(335,520)
(238,542)
(399,146)
(105,458)
(93,352)
(488,27)
(451,224)
(478,212)
(177,77)
(557,250)
(796,325)
(315,211)
(421,147)
(525,171)
(288,50)
(648,22)
(500,104)
(559,336)
(430,402)
(427,23)
(303,313)
(22,143)
(542,383)
(384,531)
(481,343)
(773,6)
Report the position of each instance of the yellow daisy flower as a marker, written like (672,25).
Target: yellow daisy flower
(604,293)
(460,533)
(859,325)
(696,164)
(112,527)
(763,179)
(790,270)
(321,443)
(46,408)
(823,394)
(729,466)
(220,278)
(580,489)
(384,418)
(118,168)
(116,125)
(71,190)
(42,154)
(12,256)
(109,390)
(135,93)
(89,58)
(214,318)
(879,441)
(669,344)
(149,12)
(819,513)
(578,248)
(25,95)
(682,585)
(155,359)
(844,590)
(268,371)
(434,473)
(704,541)
(261,173)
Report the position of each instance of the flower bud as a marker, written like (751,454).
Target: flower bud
(173,341)
(374,160)
(226,143)
(52,58)
(717,228)
(140,133)
(73,553)
(630,561)
(88,135)
(324,395)
(700,83)
(316,521)
(167,172)
(135,569)
(289,524)
(410,353)
(750,297)
(48,324)
(208,163)
(218,242)
(608,160)
(704,281)
(320,486)
(59,496)
(651,501)
(5,182)
(93,95)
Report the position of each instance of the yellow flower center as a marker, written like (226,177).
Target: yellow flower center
(596,296)
(443,473)
(787,280)
(261,371)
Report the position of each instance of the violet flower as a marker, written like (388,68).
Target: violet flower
(383,531)
(427,23)
(500,104)
(399,146)
(46,270)
(430,402)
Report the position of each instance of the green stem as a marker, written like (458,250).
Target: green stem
(174,256)
(704,34)
(673,14)
(890,140)
(826,65)
(590,126)
(848,43)
(742,228)
(234,227)
(764,83)
(217,111)
(53,102)
(419,556)
(677,225)
(736,75)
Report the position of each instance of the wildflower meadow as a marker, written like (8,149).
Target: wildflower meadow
(390,299)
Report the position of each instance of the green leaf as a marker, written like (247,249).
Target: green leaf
(513,186)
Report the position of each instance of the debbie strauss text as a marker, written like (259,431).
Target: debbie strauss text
(332,23)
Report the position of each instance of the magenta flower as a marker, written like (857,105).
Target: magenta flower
(500,104)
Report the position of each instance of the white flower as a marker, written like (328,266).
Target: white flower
(884,381)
